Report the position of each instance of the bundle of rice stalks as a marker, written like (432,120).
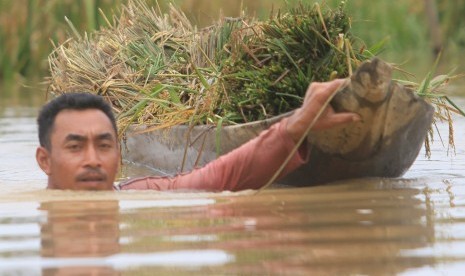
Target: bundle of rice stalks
(158,70)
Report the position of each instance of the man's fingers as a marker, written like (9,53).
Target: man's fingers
(316,98)
(319,92)
(335,120)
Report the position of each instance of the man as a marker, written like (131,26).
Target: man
(79,149)
(78,143)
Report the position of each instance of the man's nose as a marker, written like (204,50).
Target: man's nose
(92,157)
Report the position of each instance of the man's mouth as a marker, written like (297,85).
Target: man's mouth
(91,177)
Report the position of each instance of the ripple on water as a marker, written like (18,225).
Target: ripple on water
(410,225)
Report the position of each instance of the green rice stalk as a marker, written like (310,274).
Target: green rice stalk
(158,70)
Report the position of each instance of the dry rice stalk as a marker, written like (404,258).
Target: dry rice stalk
(158,70)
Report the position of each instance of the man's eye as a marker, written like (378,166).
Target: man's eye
(105,146)
(74,147)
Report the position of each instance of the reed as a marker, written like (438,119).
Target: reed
(27,27)
(373,21)
(452,12)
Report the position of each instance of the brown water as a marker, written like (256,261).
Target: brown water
(414,225)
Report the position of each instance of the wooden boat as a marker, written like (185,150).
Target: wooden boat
(384,144)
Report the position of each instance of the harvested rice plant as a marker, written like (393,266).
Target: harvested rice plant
(160,70)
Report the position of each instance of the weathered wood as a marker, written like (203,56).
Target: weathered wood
(385,143)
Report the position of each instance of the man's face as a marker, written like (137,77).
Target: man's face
(84,151)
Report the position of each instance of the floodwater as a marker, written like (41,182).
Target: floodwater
(414,225)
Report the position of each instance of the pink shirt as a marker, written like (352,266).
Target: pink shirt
(248,167)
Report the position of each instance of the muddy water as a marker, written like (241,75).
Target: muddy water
(414,225)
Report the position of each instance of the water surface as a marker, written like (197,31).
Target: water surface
(414,225)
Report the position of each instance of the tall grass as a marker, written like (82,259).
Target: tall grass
(27,26)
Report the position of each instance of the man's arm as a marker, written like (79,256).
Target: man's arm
(248,167)
(253,164)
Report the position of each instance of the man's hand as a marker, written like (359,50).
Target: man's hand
(316,96)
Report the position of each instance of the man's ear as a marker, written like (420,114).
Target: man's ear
(43,159)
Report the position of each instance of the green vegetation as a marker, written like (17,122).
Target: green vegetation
(29,31)
(159,70)
(27,27)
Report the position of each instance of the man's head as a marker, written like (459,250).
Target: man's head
(78,149)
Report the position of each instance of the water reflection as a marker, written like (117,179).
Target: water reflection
(80,229)
(364,227)
(331,230)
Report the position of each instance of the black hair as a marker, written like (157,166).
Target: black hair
(73,101)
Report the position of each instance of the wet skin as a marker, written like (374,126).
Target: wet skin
(84,152)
